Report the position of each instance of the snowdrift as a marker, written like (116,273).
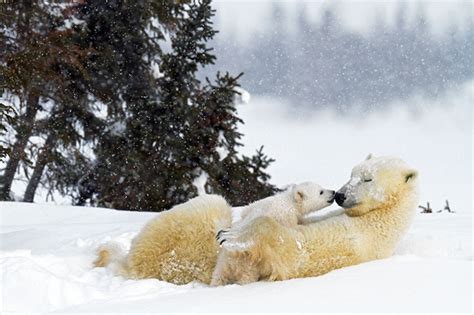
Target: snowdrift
(46,255)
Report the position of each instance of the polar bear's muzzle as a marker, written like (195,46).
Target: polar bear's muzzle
(340,198)
(345,197)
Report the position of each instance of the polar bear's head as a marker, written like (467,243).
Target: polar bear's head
(375,183)
(311,197)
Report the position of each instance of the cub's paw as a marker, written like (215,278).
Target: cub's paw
(224,236)
(220,236)
(230,240)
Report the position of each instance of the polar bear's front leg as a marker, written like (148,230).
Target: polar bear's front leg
(231,239)
(234,267)
(263,250)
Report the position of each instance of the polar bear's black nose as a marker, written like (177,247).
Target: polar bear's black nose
(340,198)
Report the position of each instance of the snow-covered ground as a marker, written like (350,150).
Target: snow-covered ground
(46,252)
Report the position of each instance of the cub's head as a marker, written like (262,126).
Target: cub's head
(312,197)
(376,183)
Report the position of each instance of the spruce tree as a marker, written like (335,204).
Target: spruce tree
(7,119)
(126,38)
(164,132)
(240,179)
(59,63)
(170,139)
(44,68)
(22,24)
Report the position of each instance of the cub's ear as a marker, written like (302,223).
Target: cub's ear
(410,175)
(369,156)
(298,195)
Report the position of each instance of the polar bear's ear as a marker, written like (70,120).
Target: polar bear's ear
(410,175)
(298,195)
(369,156)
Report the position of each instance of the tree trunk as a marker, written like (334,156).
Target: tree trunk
(43,159)
(24,131)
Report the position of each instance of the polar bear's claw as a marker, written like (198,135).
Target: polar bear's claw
(222,236)
(218,235)
(225,236)
(229,239)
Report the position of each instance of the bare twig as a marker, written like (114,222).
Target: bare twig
(447,208)
(426,209)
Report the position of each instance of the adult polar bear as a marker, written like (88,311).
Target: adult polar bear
(179,246)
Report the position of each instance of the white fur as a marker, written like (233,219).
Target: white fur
(379,201)
(287,208)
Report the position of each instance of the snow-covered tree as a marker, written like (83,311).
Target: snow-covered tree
(44,67)
(93,77)
(182,138)
(7,118)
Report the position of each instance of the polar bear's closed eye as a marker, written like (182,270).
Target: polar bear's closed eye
(373,182)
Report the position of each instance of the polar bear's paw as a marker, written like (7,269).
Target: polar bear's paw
(229,239)
(219,236)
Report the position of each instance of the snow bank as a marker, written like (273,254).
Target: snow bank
(46,255)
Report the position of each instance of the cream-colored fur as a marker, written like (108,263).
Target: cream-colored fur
(381,212)
(178,246)
(290,206)
(287,208)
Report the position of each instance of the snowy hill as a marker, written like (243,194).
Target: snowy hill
(46,253)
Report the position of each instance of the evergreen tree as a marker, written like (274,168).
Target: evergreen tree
(22,24)
(165,130)
(44,68)
(59,65)
(67,129)
(170,139)
(125,38)
(7,118)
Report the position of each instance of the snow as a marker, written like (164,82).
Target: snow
(200,183)
(46,254)
(46,250)
(117,128)
(245,20)
(222,151)
(243,96)
(363,174)
(434,136)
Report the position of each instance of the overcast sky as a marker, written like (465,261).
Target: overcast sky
(244,17)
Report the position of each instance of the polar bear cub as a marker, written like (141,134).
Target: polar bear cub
(287,208)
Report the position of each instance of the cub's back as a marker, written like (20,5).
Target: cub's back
(278,207)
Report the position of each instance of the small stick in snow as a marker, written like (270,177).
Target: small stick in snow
(447,208)
(426,209)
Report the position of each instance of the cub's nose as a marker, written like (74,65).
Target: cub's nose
(332,193)
(340,198)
